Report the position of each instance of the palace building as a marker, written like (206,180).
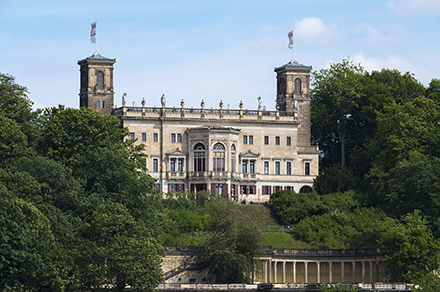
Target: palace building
(239,154)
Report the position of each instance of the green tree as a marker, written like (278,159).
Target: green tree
(13,142)
(68,134)
(402,128)
(335,97)
(428,283)
(342,229)
(335,178)
(409,248)
(433,90)
(25,240)
(382,88)
(291,207)
(413,184)
(229,251)
(337,288)
(15,104)
(118,252)
(55,179)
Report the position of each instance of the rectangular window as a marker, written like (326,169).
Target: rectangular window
(251,139)
(289,188)
(247,190)
(300,110)
(173,138)
(155,137)
(289,141)
(266,140)
(103,102)
(277,188)
(266,167)
(144,137)
(277,167)
(289,168)
(266,190)
(172,187)
(173,165)
(245,140)
(244,166)
(132,136)
(155,165)
(180,165)
(98,104)
(251,166)
(179,138)
(307,168)
(277,140)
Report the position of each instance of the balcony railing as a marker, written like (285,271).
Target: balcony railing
(176,175)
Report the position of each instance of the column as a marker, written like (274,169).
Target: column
(318,272)
(353,270)
(377,271)
(264,272)
(294,272)
(363,271)
(330,278)
(270,272)
(275,271)
(305,272)
(284,272)
(371,271)
(342,272)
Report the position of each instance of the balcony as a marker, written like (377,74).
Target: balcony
(176,175)
(198,174)
(220,174)
(249,176)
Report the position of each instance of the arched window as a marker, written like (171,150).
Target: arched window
(199,157)
(100,79)
(218,157)
(233,158)
(297,89)
(305,190)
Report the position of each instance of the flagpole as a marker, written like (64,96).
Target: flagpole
(93,37)
(290,35)
(293,59)
(96,44)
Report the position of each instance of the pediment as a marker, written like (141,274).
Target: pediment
(249,154)
(176,152)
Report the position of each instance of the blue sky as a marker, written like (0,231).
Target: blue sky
(212,50)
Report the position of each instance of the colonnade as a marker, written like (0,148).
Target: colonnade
(326,271)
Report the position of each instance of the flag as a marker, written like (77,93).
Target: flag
(93,33)
(290,35)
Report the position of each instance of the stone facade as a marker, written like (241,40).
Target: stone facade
(239,154)
(96,84)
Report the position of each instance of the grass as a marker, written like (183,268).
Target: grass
(274,235)
(283,240)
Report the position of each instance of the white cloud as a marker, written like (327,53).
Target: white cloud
(411,6)
(377,64)
(312,29)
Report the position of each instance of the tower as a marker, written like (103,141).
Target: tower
(293,95)
(96,85)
